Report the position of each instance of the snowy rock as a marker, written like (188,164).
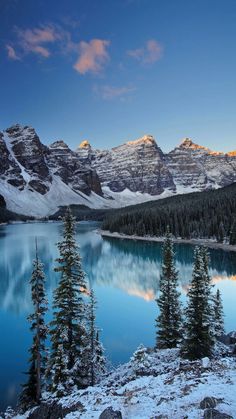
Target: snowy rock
(215,414)
(109,413)
(136,165)
(53,411)
(205,362)
(208,402)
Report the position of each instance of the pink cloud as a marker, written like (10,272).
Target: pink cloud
(93,56)
(150,53)
(111,92)
(34,40)
(11,53)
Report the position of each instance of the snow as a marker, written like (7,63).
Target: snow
(170,387)
(159,384)
(205,362)
(24,173)
(34,204)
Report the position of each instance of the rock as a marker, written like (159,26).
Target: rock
(137,165)
(29,152)
(53,411)
(215,414)
(109,413)
(65,164)
(9,170)
(200,168)
(2,202)
(208,402)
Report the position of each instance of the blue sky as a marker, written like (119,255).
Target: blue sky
(114,70)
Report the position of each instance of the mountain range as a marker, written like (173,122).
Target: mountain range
(36,179)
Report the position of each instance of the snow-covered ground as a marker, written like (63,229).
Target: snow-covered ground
(159,385)
(32,203)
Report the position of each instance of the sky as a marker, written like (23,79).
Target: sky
(114,70)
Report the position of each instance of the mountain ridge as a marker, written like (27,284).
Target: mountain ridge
(132,172)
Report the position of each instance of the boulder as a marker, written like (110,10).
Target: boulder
(109,413)
(208,402)
(215,414)
(53,411)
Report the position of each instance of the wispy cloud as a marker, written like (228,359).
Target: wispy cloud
(93,56)
(151,52)
(109,92)
(11,53)
(37,40)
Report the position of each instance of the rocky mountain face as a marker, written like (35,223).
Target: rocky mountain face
(65,164)
(141,166)
(137,165)
(37,179)
(198,167)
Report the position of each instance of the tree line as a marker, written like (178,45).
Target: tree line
(76,357)
(209,214)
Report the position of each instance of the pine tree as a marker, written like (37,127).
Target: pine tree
(169,320)
(59,373)
(199,340)
(31,393)
(97,363)
(99,359)
(218,315)
(232,237)
(68,325)
(221,233)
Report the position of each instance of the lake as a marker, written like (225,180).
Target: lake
(125,277)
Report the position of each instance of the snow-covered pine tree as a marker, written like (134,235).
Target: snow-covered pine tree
(59,374)
(199,340)
(31,393)
(97,362)
(168,322)
(67,327)
(100,360)
(218,315)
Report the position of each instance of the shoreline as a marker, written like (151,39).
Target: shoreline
(202,242)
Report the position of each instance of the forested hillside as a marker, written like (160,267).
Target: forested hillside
(209,214)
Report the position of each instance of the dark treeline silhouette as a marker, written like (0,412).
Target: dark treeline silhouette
(209,214)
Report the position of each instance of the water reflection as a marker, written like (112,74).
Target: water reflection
(125,275)
(132,266)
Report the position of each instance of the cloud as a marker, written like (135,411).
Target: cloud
(48,39)
(111,92)
(93,56)
(11,53)
(36,40)
(149,54)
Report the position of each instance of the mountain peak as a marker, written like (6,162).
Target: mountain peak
(146,139)
(85,144)
(189,144)
(59,144)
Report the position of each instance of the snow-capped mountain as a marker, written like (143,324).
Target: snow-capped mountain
(36,179)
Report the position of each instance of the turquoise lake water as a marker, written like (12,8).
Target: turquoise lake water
(124,275)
